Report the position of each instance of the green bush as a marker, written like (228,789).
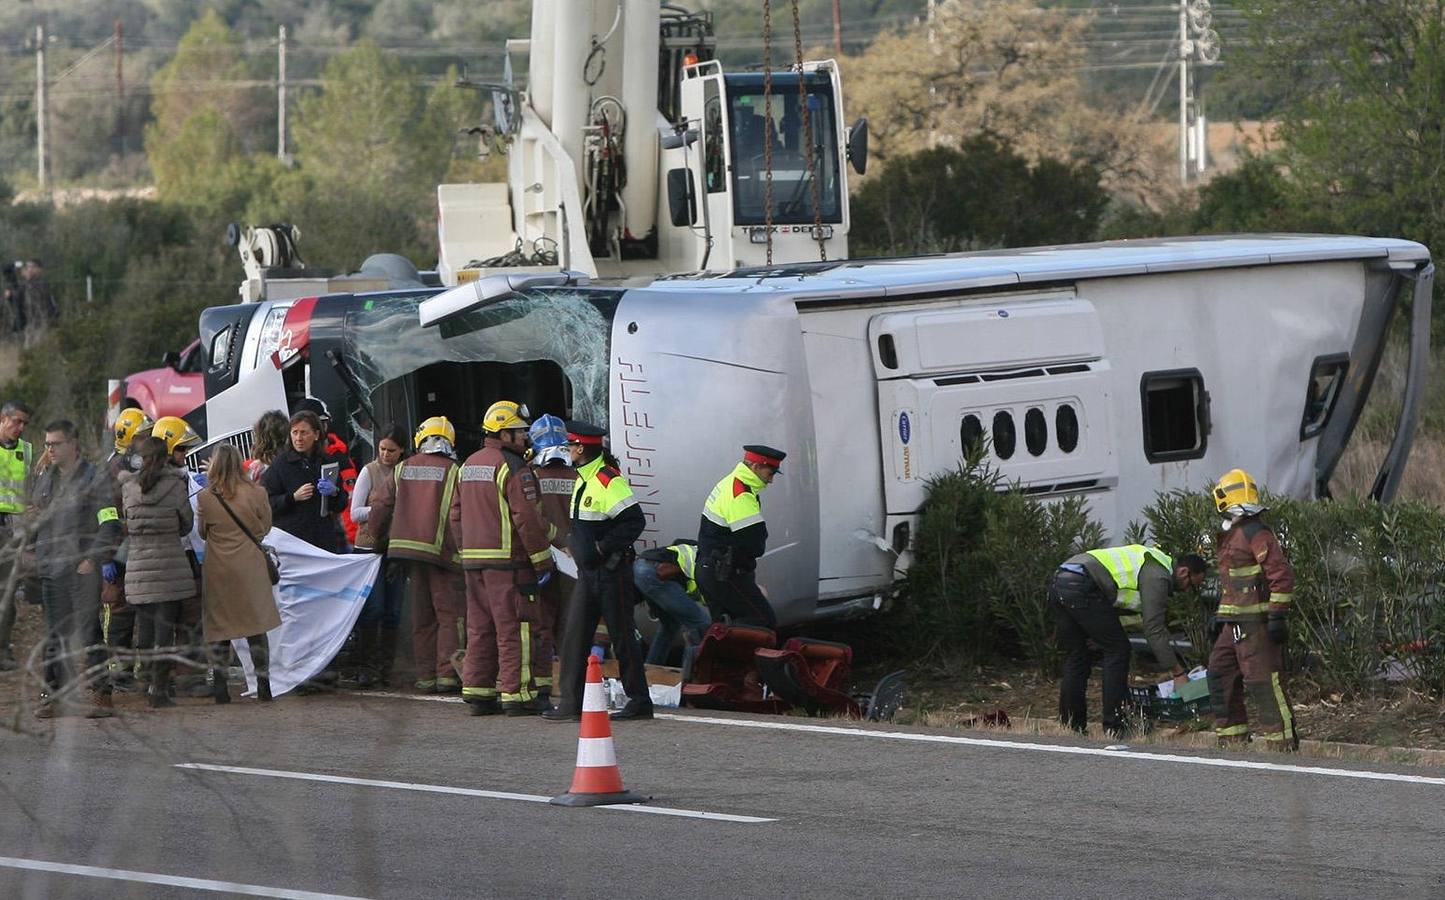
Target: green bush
(1367,584)
(982,556)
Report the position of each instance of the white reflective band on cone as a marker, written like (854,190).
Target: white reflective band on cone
(593,699)
(596,752)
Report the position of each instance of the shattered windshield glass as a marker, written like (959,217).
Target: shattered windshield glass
(572,328)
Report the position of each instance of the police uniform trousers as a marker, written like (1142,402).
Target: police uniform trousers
(1246,663)
(503,636)
(1082,614)
(601,594)
(734,593)
(438,610)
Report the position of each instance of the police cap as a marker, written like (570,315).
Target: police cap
(764,455)
(585,433)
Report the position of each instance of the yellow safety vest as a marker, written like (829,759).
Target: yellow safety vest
(15,465)
(1124,564)
(687,561)
(599,496)
(732,507)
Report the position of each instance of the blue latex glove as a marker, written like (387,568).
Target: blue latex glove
(201,479)
(325,487)
(544,578)
(110,572)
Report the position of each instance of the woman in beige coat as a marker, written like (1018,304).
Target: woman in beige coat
(157,571)
(236,590)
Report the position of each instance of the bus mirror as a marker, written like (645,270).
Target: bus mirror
(858,146)
(672,139)
(681,197)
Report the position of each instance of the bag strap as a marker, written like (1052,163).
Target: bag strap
(234,518)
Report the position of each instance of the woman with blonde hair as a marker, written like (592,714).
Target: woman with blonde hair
(236,587)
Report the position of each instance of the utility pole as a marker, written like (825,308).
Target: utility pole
(40,136)
(1198,44)
(838,27)
(281,95)
(1185,51)
(120,87)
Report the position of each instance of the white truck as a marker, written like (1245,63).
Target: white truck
(631,152)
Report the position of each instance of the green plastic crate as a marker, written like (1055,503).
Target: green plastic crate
(1171,709)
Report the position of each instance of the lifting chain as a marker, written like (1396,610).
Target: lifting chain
(807,137)
(768,125)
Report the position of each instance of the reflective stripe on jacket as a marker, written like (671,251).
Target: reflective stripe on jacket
(15,465)
(425,486)
(686,555)
(1123,564)
(1255,579)
(557,480)
(496,509)
(733,518)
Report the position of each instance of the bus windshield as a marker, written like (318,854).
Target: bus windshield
(752,121)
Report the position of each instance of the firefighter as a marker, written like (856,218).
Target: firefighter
(732,535)
(417,514)
(506,556)
(606,520)
(1255,585)
(117,618)
(555,479)
(1089,593)
(17,464)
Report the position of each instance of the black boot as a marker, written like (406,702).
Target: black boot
(220,690)
(159,694)
(483,706)
(635,709)
(260,661)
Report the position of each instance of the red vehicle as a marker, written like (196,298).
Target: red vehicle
(174,389)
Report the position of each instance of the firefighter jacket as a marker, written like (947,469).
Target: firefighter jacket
(76,519)
(606,519)
(732,520)
(556,480)
(1255,580)
(415,516)
(15,465)
(495,512)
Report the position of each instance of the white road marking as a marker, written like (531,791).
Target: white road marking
(1058,748)
(195,884)
(783,725)
(466,792)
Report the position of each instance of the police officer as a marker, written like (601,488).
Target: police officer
(667,577)
(1256,584)
(506,555)
(556,479)
(1089,592)
(17,461)
(418,515)
(606,520)
(732,535)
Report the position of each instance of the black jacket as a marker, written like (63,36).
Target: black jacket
(288,471)
(77,519)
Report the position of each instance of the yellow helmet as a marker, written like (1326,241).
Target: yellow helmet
(175,431)
(436,426)
(128,426)
(1235,487)
(504,414)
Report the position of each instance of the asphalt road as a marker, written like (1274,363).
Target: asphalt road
(853,815)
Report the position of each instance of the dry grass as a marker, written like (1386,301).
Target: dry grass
(1424,473)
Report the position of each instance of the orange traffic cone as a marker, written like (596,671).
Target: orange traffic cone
(597,782)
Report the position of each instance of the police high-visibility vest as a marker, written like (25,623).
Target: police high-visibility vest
(14,465)
(733,503)
(599,495)
(1124,564)
(687,561)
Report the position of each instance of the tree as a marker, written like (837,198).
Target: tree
(1363,116)
(1001,68)
(975,196)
